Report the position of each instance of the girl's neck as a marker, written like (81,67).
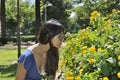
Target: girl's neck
(40,49)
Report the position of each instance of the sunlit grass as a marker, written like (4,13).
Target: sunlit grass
(8,55)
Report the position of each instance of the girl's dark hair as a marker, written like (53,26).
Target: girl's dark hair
(48,31)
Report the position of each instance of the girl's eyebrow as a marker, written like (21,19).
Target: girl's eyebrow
(60,34)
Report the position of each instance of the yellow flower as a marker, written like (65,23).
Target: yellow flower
(119,57)
(107,23)
(72,51)
(118,74)
(84,52)
(92,49)
(98,14)
(99,49)
(70,73)
(78,78)
(114,10)
(105,78)
(80,71)
(83,37)
(69,43)
(83,43)
(91,18)
(77,41)
(61,63)
(118,11)
(87,33)
(70,78)
(84,47)
(91,61)
(93,13)
(83,30)
(66,74)
(110,15)
(65,61)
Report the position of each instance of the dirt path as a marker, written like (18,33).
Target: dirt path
(13,47)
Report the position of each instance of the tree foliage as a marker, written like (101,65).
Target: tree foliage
(59,10)
(26,16)
(85,7)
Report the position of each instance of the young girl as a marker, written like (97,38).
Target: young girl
(42,57)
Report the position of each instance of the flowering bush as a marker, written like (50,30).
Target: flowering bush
(93,53)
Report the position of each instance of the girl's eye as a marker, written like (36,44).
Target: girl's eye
(61,37)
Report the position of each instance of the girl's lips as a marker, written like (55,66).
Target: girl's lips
(60,43)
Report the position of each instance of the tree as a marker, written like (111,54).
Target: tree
(85,7)
(37,17)
(11,19)
(27,13)
(3,22)
(59,10)
(18,29)
(103,6)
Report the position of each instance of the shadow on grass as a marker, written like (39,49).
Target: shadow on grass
(8,70)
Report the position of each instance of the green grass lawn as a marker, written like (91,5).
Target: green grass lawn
(8,65)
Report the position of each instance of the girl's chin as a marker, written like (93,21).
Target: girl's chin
(59,46)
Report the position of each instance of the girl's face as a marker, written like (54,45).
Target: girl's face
(57,40)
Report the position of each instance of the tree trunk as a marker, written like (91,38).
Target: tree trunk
(3,22)
(37,17)
(18,30)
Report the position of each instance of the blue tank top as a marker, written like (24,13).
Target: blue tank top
(28,61)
